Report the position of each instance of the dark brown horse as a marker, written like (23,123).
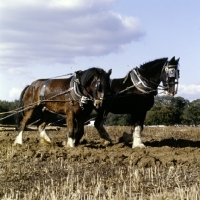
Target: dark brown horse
(74,97)
(134,95)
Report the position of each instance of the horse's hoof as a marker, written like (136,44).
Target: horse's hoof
(107,143)
(67,145)
(138,145)
(45,142)
(70,143)
(121,140)
(16,145)
(127,137)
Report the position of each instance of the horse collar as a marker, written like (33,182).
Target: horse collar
(139,82)
(76,92)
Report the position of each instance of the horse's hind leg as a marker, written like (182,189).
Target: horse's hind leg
(71,125)
(44,138)
(26,117)
(127,137)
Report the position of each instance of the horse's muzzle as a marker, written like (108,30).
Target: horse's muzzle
(172,88)
(169,93)
(98,103)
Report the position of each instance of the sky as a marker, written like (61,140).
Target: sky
(49,38)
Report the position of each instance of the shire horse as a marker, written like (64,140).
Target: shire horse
(134,95)
(74,97)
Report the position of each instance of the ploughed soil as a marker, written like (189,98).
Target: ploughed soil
(165,147)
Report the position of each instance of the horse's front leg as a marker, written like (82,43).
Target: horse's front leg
(134,136)
(71,129)
(79,134)
(99,121)
(137,142)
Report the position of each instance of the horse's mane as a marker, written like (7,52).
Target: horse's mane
(151,64)
(147,66)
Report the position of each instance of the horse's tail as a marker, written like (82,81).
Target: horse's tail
(20,112)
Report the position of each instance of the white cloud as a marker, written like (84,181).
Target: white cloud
(74,4)
(18,71)
(15,93)
(190,92)
(57,31)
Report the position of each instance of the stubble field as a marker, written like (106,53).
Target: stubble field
(168,168)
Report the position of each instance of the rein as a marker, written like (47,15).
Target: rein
(140,81)
(136,85)
(158,85)
(62,76)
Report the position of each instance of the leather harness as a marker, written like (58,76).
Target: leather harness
(74,90)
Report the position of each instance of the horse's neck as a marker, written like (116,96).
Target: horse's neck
(120,84)
(116,84)
(152,77)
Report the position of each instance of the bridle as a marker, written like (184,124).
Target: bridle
(80,93)
(172,72)
(97,86)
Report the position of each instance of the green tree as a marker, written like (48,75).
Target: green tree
(167,110)
(118,120)
(191,114)
(5,107)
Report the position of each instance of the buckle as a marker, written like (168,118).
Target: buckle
(84,100)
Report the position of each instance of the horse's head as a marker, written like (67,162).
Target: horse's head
(170,76)
(97,83)
(101,86)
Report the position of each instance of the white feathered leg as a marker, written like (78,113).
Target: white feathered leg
(70,142)
(44,138)
(18,139)
(136,137)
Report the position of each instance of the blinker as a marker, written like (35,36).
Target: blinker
(171,72)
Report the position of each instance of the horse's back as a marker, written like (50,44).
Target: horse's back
(41,87)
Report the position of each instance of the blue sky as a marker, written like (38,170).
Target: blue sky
(44,39)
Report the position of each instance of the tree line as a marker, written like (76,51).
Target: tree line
(166,111)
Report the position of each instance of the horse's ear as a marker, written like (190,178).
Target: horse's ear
(109,72)
(177,60)
(173,59)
